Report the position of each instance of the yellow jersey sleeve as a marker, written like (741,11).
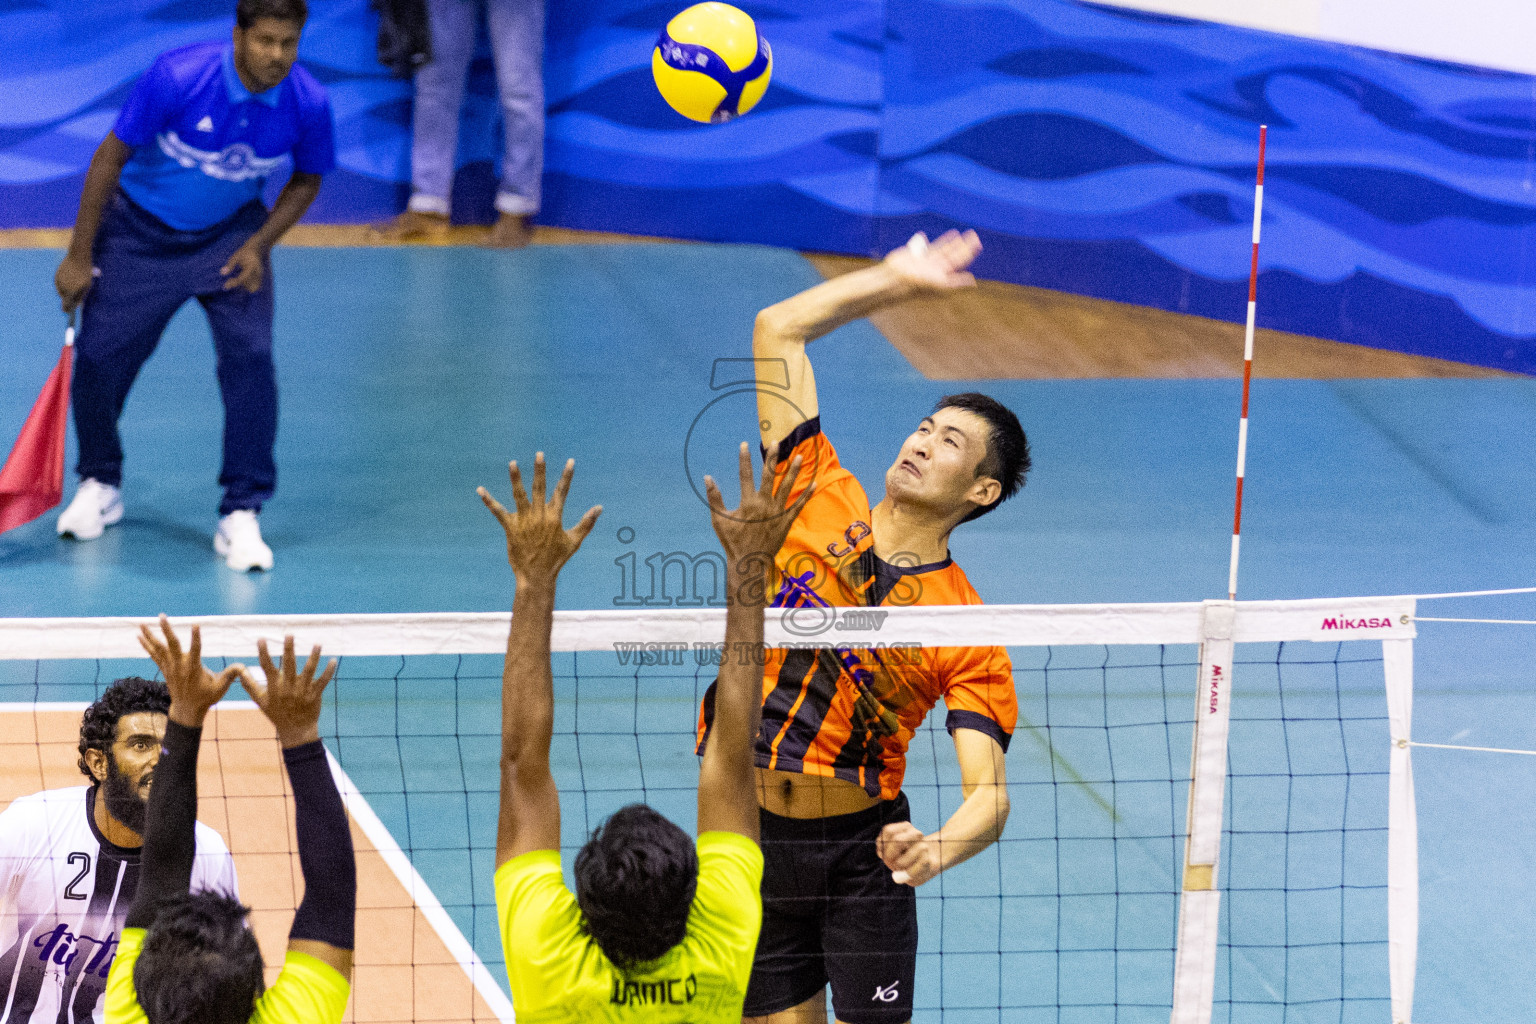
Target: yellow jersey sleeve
(540,930)
(728,904)
(308,991)
(121,1004)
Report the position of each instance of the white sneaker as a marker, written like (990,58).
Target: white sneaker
(239,541)
(95,507)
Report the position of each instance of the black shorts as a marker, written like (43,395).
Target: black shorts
(831,914)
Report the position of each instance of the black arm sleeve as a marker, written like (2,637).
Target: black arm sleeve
(170,839)
(329,908)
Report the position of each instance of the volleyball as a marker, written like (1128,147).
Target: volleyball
(710,64)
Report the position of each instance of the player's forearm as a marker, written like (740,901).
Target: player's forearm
(816,311)
(170,820)
(727,782)
(739,688)
(292,201)
(100,183)
(975,825)
(527,686)
(329,908)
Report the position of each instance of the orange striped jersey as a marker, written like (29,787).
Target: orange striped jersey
(850,711)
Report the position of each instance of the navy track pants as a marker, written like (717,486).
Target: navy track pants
(147,271)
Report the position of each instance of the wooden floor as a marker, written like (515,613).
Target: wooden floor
(404,971)
(1003,331)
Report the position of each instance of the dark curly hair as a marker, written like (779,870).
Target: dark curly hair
(635,880)
(200,964)
(1007,459)
(98,729)
(249,12)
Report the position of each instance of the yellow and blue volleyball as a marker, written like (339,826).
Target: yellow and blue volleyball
(710,64)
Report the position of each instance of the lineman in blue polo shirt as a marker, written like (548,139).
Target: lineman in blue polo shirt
(171,210)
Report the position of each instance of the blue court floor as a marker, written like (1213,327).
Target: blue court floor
(410,376)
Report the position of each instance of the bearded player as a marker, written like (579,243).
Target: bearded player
(190,957)
(841,856)
(69,863)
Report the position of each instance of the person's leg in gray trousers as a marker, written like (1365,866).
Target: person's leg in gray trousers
(517,41)
(435,120)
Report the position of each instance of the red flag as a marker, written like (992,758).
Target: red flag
(32,481)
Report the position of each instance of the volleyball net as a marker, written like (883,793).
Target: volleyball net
(1212,803)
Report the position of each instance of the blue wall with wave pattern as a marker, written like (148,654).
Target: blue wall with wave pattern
(1100,151)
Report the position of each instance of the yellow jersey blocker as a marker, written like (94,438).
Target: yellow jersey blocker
(559,976)
(306,992)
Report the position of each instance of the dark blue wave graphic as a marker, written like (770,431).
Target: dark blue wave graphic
(1099,150)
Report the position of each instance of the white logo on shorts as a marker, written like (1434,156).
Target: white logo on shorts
(206,124)
(887,994)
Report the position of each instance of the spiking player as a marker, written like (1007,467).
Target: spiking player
(660,929)
(189,956)
(841,856)
(69,863)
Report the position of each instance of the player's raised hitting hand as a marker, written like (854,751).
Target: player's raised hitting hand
(936,266)
(290,698)
(538,543)
(754,532)
(194,689)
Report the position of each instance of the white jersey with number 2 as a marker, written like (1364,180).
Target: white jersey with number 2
(64,892)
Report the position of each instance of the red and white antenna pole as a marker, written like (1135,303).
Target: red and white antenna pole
(1242,427)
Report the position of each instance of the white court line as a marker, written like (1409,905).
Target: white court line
(404,871)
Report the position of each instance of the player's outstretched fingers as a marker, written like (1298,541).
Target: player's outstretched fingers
(290,666)
(266,661)
(172,644)
(791,474)
(584,526)
(563,485)
(314,686)
(292,697)
(744,471)
(519,496)
(257,690)
(154,648)
(496,507)
(959,251)
(540,490)
(164,652)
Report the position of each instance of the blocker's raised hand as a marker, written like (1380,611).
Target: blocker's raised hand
(939,265)
(291,698)
(538,543)
(194,689)
(754,532)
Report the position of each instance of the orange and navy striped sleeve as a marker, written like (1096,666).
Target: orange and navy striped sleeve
(978,691)
(975,682)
